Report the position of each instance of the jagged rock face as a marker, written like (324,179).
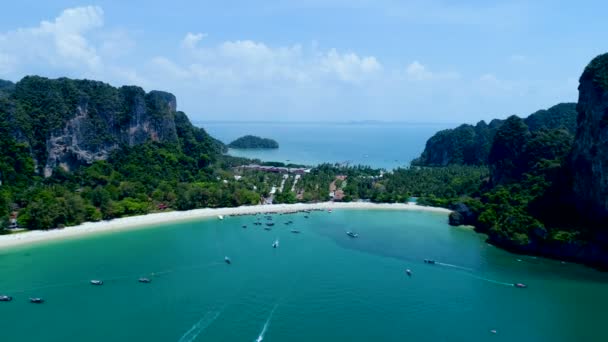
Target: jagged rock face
(88,137)
(589,157)
(67,123)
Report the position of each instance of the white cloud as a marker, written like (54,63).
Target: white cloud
(116,43)
(191,40)
(60,43)
(169,68)
(7,63)
(349,67)
(416,71)
(247,61)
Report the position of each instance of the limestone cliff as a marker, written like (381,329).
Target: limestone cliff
(589,156)
(470,145)
(67,123)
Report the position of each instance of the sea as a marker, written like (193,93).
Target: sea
(377,144)
(318,285)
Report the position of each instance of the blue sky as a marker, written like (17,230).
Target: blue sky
(317,60)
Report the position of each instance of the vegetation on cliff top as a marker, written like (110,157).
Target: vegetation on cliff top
(252,141)
(597,71)
(470,145)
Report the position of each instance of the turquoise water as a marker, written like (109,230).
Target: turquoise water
(319,285)
(379,145)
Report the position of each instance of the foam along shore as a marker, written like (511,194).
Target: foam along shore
(155,219)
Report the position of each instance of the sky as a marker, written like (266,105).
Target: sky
(316,60)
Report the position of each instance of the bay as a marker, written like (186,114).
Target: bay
(319,285)
(380,145)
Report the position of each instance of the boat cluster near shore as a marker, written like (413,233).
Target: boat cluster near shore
(151,220)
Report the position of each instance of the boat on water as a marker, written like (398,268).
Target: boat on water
(227,260)
(221,217)
(352,235)
(5,298)
(520,285)
(295,231)
(429,261)
(144,280)
(270,224)
(244,226)
(408,272)
(329,210)
(275,244)
(36,300)
(306,216)
(96,282)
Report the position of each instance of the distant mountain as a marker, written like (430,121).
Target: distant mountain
(470,145)
(251,141)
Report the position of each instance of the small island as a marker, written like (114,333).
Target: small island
(251,142)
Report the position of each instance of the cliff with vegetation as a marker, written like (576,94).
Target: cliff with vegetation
(66,123)
(590,152)
(253,142)
(546,191)
(470,145)
(74,150)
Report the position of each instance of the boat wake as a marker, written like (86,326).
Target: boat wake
(455,266)
(266,324)
(492,281)
(199,326)
(471,272)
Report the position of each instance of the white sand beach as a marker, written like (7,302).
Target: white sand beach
(179,216)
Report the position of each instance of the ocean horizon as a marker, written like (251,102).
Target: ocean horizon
(386,145)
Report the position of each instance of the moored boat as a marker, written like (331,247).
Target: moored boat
(36,300)
(295,231)
(5,298)
(227,260)
(144,280)
(96,282)
(353,235)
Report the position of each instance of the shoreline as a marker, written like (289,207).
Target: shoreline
(155,219)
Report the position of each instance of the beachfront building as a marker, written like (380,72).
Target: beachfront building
(275,169)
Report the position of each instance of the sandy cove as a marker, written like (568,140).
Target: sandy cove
(155,219)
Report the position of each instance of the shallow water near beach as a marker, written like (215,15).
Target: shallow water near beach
(318,285)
